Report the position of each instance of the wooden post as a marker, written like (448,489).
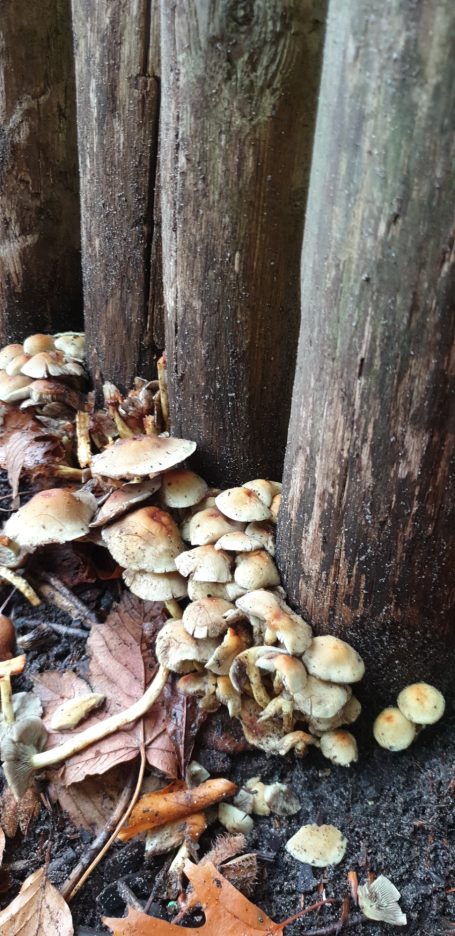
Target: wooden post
(116,53)
(238,102)
(40,276)
(366,532)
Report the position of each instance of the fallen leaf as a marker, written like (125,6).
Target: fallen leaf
(176,801)
(34,453)
(13,419)
(22,814)
(38,909)
(227,911)
(185,719)
(122,665)
(89,804)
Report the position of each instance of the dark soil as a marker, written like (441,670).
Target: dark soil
(395,810)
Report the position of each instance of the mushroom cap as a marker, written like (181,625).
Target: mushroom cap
(53,516)
(256,570)
(241,668)
(264,533)
(290,670)
(317,845)
(14,367)
(222,659)
(34,344)
(333,659)
(145,540)
(50,391)
(178,651)
(274,507)
(182,488)
(208,525)
(281,799)
(8,353)
(155,586)
(205,618)
(205,564)
(421,703)
(259,603)
(119,502)
(237,542)
(51,364)
(340,747)
(13,389)
(346,716)
(393,731)
(227,590)
(141,455)
(72,344)
(262,488)
(321,699)
(242,504)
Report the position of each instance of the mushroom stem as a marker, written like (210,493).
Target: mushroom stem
(174,609)
(73,474)
(7,700)
(21,584)
(103,728)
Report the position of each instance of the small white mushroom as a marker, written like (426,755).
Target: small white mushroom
(264,490)
(145,539)
(207,526)
(264,534)
(393,731)
(72,344)
(234,819)
(15,366)
(205,564)
(230,591)
(273,620)
(182,488)
(204,618)
(242,504)
(155,586)
(255,570)
(196,774)
(322,699)
(318,845)
(346,716)
(8,353)
(237,542)
(421,703)
(281,799)
(35,344)
(178,651)
(333,659)
(340,747)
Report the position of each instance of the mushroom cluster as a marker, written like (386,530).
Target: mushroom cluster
(419,704)
(45,371)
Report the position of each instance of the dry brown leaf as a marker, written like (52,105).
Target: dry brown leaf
(174,802)
(13,419)
(38,910)
(227,911)
(89,804)
(121,667)
(34,453)
(22,814)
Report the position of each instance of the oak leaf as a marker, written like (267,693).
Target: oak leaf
(227,912)
(38,909)
(122,665)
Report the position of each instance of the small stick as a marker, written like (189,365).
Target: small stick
(45,626)
(21,584)
(115,832)
(57,593)
(68,887)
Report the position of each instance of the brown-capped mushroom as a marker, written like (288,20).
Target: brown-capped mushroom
(51,364)
(7,637)
(333,659)
(209,525)
(264,490)
(13,389)
(125,497)
(141,455)
(242,504)
(205,618)
(223,657)
(52,516)
(35,344)
(339,747)
(145,539)
(205,564)
(182,488)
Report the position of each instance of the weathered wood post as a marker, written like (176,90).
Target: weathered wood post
(40,275)
(239,88)
(366,531)
(116,55)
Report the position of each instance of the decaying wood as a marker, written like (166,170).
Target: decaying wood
(366,532)
(116,54)
(239,87)
(40,276)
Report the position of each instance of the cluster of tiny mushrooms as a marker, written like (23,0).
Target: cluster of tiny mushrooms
(237,643)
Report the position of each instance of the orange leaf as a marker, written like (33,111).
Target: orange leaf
(174,802)
(227,911)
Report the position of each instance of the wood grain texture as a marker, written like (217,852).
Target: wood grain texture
(366,532)
(116,54)
(239,87)
(40,275)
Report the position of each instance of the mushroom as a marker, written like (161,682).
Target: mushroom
(255,570)
(227,695)
(70,713)
(120,501)
(205,618)
(52,516)
(234,819)
(281,799)
(182,488)
(227,590)
(203,685)
(222,659)
(264,534)
(205,563)
(378,900)
(71,343)
(146,539)
(263,489)
(393,731)
(8,353)
(274,507)
(317,845)
(340,747)
(256,788)
(22,757)
(273,620)
(268,735)
(35,344)
(242,504)
(244,674)
(333,659)
(13,389)
(51,364)
(290,681)
(141,455)
(52,391)
(322,699)
(237,542)
(14,367)
(178,651)
(207,526)
(421,703)
(155,586)
(345,716)
(11,554)
(13,666)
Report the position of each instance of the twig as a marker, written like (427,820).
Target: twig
(13,590)
(64,629)
(54,591)
(79,876)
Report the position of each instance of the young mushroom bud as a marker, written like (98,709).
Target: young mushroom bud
(205,618)
(421,703)
(340,747)
(318,846)
(242,504)
(393,731)
(256,570)
(333,659)
(205,564)
(35,344)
